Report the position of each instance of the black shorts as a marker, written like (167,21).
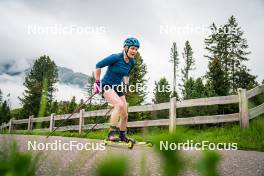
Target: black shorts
(116,88)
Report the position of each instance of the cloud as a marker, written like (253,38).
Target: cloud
(14,67)
(13,85)
(66,92)
(12,74)
(142,19)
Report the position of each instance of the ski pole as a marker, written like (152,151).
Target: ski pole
(76,110)
(98,120)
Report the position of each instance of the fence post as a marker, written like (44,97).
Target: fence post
(172,125)
(81,120)
(51,127)
(11,125)
(243,108)
(30,122)
(3,126)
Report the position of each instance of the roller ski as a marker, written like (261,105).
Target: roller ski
(130,144)
(123,137)
(115,137)
(120,138)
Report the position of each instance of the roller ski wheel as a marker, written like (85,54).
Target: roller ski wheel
(129,144)
(147,144)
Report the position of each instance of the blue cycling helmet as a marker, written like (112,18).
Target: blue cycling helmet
(131,42)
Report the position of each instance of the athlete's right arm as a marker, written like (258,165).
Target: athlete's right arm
(96,88)
(97,73)
(107,61)
(104,62)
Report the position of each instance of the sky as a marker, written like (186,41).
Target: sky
(77,34)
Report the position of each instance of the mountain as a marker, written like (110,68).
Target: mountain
(66,75)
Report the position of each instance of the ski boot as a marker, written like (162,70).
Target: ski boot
(113,134)
(123,137)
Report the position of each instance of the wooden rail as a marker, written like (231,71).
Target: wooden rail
(243,116)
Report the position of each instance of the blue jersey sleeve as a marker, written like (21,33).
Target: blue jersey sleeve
(107,61)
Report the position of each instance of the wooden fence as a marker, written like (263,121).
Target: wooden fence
(243,116)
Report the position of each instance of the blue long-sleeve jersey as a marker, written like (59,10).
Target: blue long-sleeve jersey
(117,68)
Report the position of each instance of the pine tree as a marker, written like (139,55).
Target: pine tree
(1,96)
(217,45)
(194,89)
(5,114)
(217,78)
(81,102)
(162,94)
(55,107)
(237,51)
(189,89)
(72,105)
(137,76)
(228,45)
(63,107)
(243,79)
(1,115)
(175,60)
(43,68)
(162,91)
(44,97)
(189,62)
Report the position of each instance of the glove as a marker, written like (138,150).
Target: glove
(97,86)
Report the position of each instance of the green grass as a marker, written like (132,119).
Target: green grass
(247,139)
(251,138)
(98,134)
(14,162)
(113,165)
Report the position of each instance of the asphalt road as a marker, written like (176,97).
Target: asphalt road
(85,162)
